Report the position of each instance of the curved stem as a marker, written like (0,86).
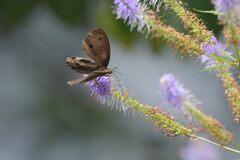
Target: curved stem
(237,54)
(236,145)
(218,145)
(235,38)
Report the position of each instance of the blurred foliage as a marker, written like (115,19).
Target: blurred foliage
(70,11)
(117,28)
(13,12)
(80,13)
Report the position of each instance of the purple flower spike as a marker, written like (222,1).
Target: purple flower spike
(228,10)
(213,47)
(131,11)
(199,151)
(172,90)
(101,87)
(223,6)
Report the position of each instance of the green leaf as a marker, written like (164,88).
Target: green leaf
(222,58)
(209,12)
(212,68)
(215,67)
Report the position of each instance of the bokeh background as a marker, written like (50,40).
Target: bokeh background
(43,118)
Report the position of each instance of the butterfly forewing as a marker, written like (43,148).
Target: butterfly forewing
(97,47)
(81,65)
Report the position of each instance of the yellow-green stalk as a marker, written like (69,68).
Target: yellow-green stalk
(163,120)
(185,44)
(232,91)
(190,20)
(232,35)
(211,125)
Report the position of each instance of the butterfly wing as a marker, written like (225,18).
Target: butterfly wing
(97,47)
(81,65)
(91,76)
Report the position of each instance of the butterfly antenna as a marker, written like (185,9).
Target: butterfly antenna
(115,69)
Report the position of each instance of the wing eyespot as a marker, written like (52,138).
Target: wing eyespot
(90,45)
(99,38)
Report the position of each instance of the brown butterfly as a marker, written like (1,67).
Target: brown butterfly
(96,46)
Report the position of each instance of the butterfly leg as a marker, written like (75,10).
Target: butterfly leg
(73,82)
(96,80)
(98,85)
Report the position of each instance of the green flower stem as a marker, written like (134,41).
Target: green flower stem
(237,54)
(235,42)
(218,145)
(225,53)
(221,59)
(236,145)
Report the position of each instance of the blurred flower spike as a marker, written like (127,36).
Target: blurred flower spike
(131,11)
(228,10)
(223,6)
(172,91)
(197,150)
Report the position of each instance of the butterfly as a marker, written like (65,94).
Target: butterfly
(96,46)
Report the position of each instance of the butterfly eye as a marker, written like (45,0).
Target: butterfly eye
(90,45)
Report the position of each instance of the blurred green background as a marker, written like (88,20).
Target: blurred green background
(43,118)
